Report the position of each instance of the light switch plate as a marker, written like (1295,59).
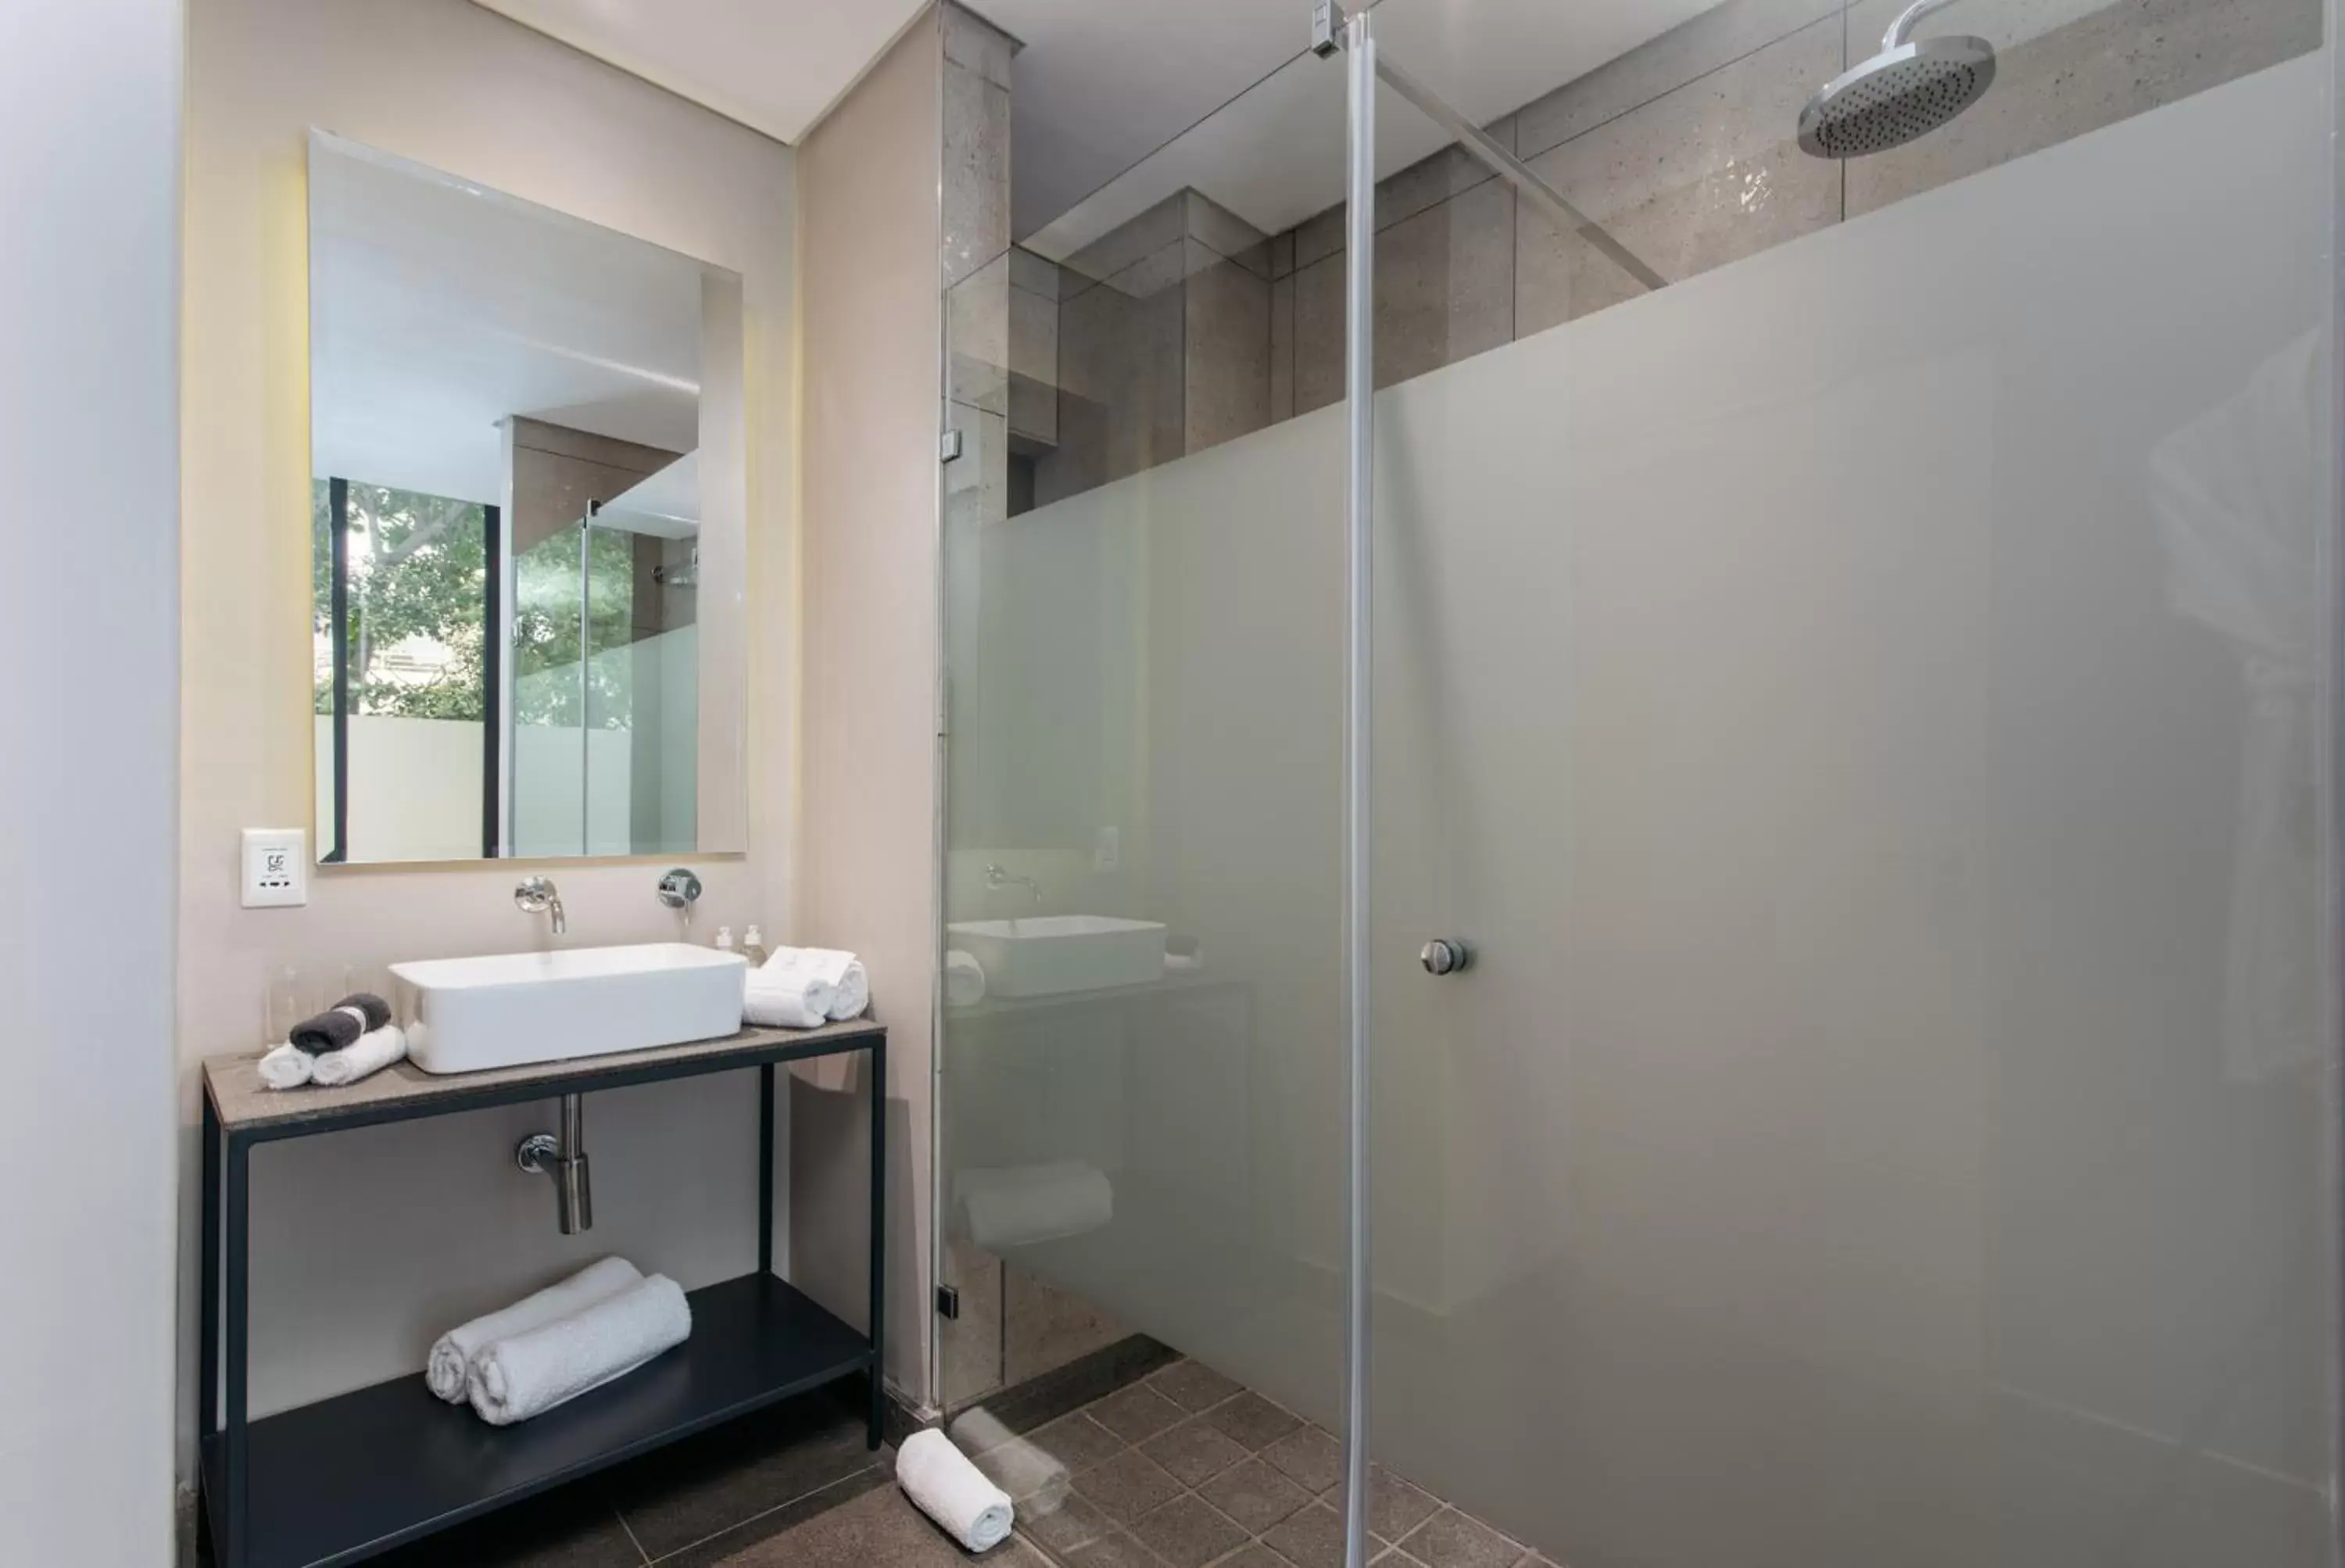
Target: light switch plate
(275,867)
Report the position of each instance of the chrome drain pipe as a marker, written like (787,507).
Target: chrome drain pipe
(563,1158)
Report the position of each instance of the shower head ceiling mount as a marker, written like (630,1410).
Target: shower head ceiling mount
(1906,90)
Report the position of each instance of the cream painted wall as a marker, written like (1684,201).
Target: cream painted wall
(89,161)
(366,1245)
(869,267)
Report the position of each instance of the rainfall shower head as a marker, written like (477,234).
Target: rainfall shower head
(1905,91)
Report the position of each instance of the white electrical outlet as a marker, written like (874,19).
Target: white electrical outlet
(275,867)
(1106,850)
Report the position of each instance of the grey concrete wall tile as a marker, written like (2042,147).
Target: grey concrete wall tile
(1035,274)
(2059,75)
(1116,250)
(1699,176)
(1033,362)
(972,41)
(977,338)
(1121,390)
(1319,235)
(976,171)
(1158,270)
(1444,283)
(1281,348)
(1445,291)
(1225,233)
(1227,334)
(1717,37)
(1450,172)
(1318,333)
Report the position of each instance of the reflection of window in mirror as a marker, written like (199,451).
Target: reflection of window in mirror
(402,595)
(527,438)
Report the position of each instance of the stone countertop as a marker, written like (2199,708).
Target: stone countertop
(244,1104)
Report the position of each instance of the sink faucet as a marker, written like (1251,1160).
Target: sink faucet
(536,896)
(679,890)
(997,876)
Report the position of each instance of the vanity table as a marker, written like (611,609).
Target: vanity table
(351,1477)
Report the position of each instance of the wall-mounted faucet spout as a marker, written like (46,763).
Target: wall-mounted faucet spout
(535,895)
(563,1158)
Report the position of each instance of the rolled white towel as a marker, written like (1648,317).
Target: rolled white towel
(964,980)
(1027,1204)
(370,1053)
(529,1374)
(450,1364)
(285,1067)
(784,999)
(954,1492)
(844,972)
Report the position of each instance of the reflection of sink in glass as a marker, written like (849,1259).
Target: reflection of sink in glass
(500,1011)
(1045,954)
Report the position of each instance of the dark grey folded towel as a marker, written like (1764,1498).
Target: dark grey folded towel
(341,1024)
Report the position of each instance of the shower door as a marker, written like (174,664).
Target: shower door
(1862,710)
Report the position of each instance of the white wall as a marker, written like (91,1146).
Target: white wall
(89,166)
(366,1246)
(870,178)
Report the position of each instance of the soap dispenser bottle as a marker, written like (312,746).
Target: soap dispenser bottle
(753,949)
(725,939)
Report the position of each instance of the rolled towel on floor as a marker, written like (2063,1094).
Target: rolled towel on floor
(784,999)
(529,1374)
(286,1066)
(844,972)
(370,1053)
(964,980)
(1027,1204)
(945,1486)
(343,1023)
(450,1366)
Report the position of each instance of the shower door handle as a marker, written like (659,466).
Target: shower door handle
(1444,955)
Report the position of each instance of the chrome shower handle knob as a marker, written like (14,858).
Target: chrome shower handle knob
(1444,955)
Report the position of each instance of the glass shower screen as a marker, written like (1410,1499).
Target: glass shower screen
(1851,682)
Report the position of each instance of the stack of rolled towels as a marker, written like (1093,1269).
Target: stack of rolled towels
(592,1328)
(345,1042)
(804,987)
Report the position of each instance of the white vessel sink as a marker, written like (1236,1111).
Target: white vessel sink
(468,1013)
(1047,954)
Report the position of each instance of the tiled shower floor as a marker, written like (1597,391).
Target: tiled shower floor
(1186,1468)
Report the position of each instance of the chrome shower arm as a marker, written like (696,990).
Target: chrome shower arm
(1903,27)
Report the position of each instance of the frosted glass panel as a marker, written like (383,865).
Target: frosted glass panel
(1865,704)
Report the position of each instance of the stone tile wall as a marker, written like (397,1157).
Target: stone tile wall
(1683,149)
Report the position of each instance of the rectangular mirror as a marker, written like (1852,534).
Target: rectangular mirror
(528,527)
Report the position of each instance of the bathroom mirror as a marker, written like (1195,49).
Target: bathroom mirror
(528,522)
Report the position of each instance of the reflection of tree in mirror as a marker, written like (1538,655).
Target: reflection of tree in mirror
(545,628)
(418,597)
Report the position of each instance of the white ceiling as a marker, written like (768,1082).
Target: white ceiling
(1102,83)
(1275,156)
(438,307)
(773,64)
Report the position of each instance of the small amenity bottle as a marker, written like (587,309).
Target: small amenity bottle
(753,948)
(725,939)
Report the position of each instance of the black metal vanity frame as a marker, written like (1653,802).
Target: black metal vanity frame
(353,1476)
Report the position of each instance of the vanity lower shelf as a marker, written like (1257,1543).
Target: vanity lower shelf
(347,1478)
(350,1478)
